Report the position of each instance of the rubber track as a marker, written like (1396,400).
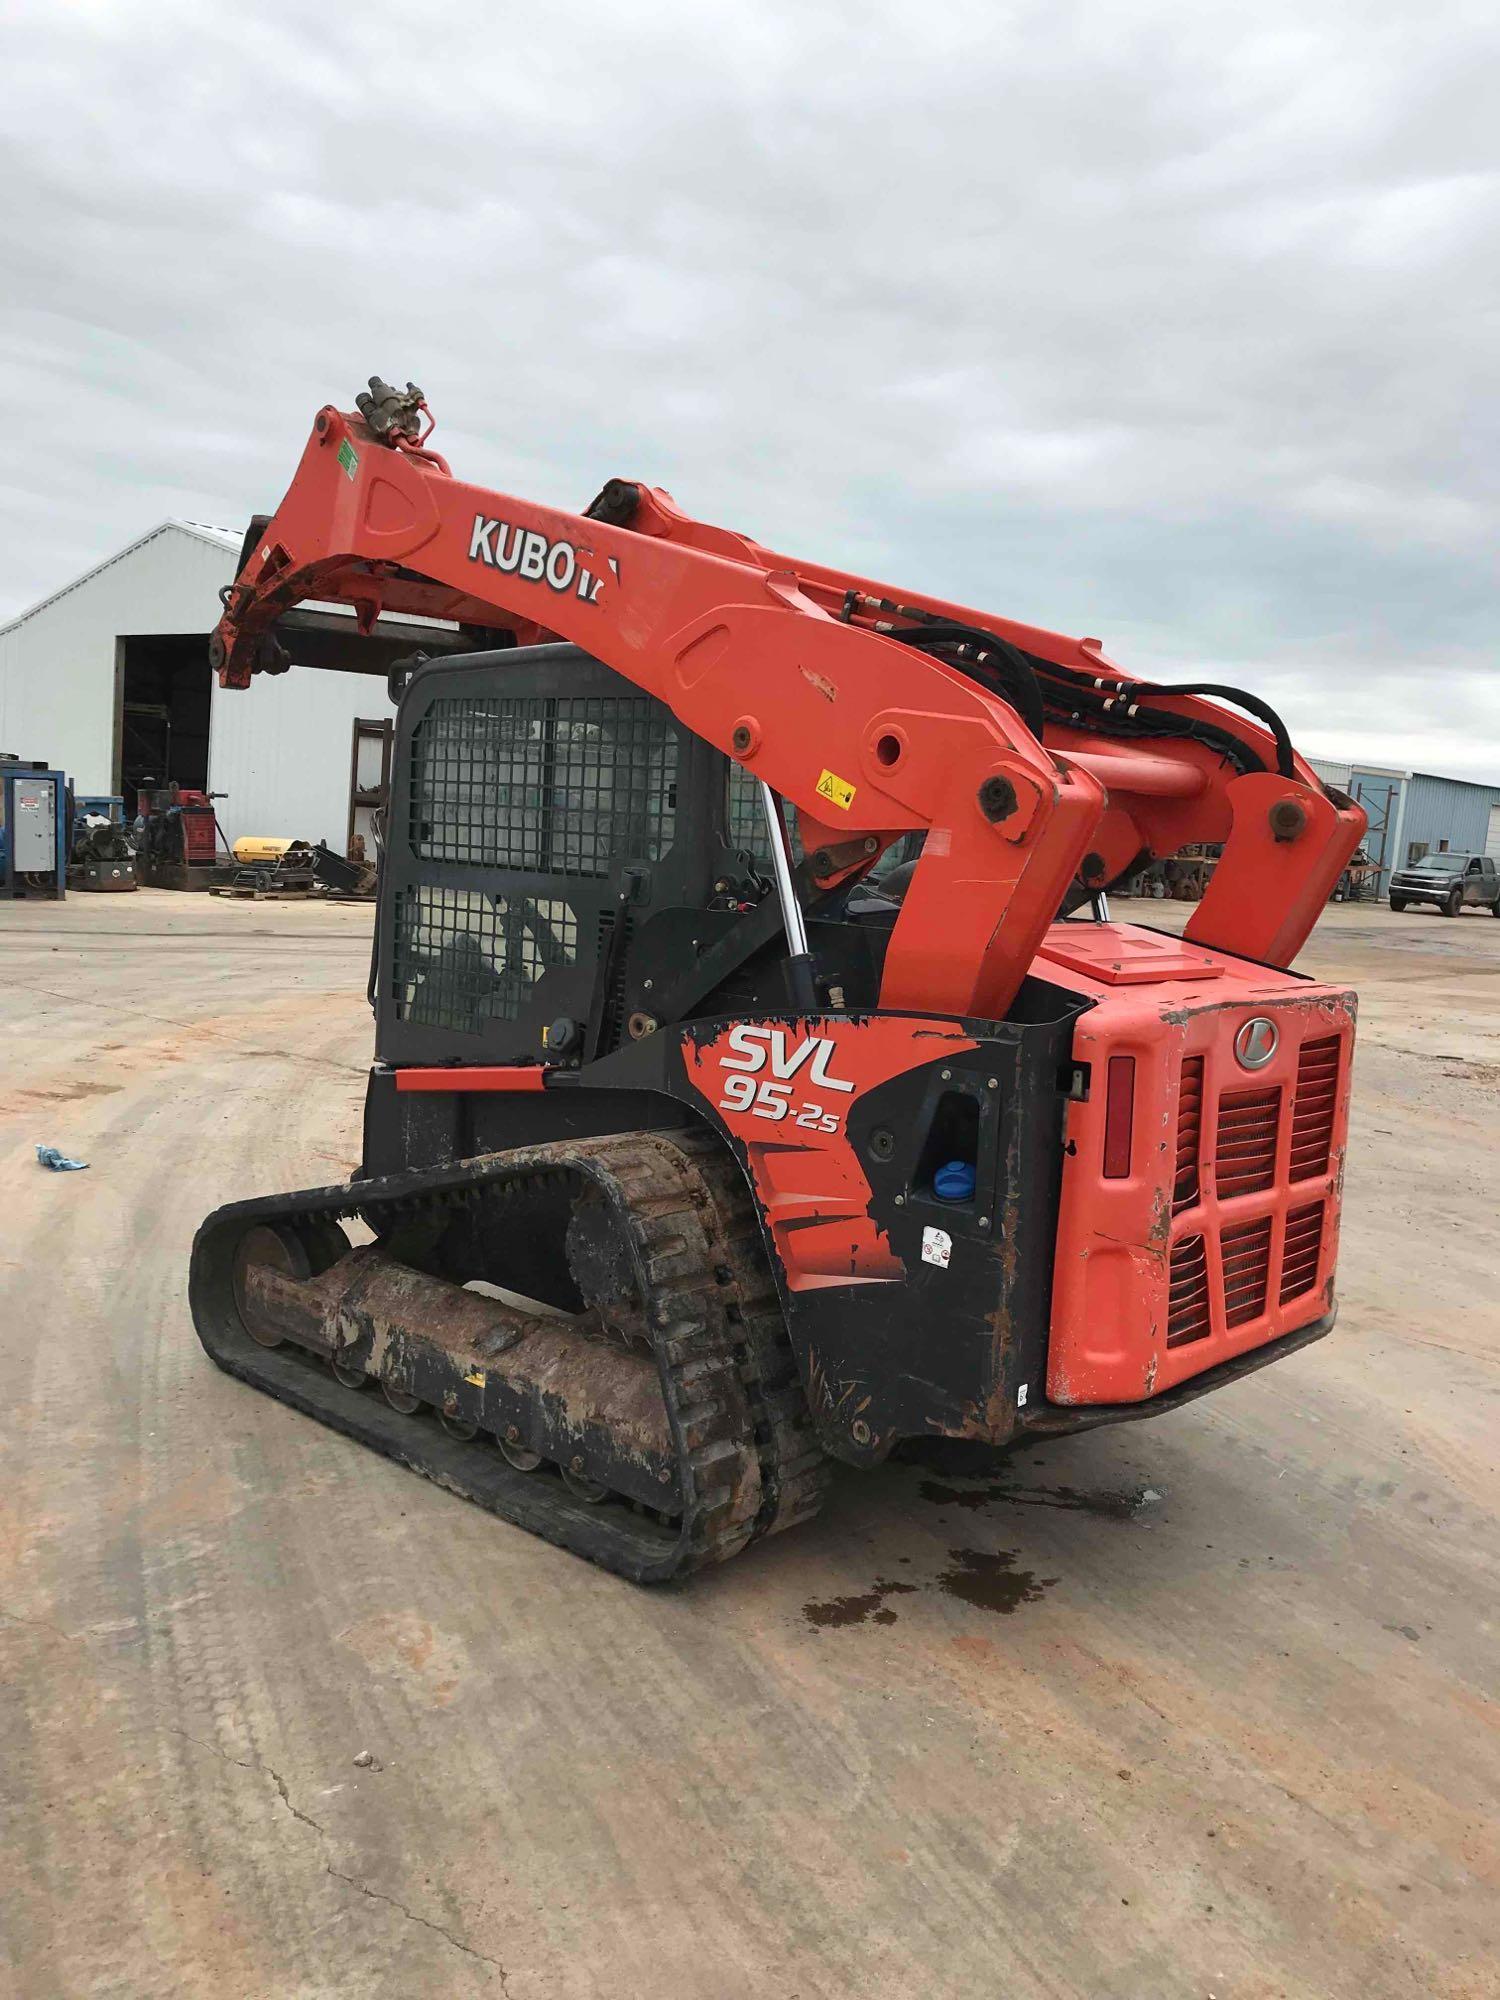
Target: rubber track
(795,1470)
(705,1360)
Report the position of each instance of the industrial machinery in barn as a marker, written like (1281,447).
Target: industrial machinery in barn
(702,1146)
(101,853)
(181,842)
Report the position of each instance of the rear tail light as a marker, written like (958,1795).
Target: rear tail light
(1119,1117)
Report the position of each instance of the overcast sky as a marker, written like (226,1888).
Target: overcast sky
(1174,324)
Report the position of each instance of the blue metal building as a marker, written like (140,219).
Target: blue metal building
(1413,813)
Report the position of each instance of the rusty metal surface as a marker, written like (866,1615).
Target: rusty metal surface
(381,1312)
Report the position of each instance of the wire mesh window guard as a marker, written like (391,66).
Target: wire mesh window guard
(463,957)
(564,785)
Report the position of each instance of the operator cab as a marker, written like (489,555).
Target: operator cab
(568,866)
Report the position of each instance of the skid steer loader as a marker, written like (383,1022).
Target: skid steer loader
(704,1144)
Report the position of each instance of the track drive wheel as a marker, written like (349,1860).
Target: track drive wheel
(295,1249)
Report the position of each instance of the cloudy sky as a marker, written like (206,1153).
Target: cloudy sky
(1171,323)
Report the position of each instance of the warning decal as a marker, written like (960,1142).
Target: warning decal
(837,790)
(937,1248)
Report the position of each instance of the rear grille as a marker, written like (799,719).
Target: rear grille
(1313,1107)
(1246,1147)
(1189,1134)
(1304,1244)
(1187,1301)
(1224,1275)
(1246,1252)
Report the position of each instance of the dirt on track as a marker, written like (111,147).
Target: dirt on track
(1204,1706)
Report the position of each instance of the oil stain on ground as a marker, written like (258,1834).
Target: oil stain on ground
(989,1580)
(986,1578)
(1108,1506)
(869,1604)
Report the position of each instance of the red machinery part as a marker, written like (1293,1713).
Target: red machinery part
(1222,1234)
(473,1077)
(199,828)
(785,1093)
(865,734)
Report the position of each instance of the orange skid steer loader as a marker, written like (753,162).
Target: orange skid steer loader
(706,1140)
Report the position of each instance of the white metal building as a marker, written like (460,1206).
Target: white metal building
(1332,772)
(108,680)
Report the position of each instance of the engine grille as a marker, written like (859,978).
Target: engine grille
(1313,1107)
(1188,1313)
(1245,1248)
(1246,1146)
(1304,1246)
(1189,1134)
(1231,1262)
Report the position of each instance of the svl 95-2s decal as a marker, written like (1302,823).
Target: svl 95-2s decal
(761,1079)
(753,1049)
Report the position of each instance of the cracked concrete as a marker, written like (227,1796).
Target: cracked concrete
(1244,1744)
(306,1819)
(415,1917)
(246,1764)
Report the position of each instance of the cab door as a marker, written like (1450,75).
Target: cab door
(1474,886)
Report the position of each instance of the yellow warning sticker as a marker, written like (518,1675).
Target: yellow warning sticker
(837,790)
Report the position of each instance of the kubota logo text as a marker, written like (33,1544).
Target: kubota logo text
(757,1049)
(525,553)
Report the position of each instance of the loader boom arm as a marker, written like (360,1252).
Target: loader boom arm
(856,702)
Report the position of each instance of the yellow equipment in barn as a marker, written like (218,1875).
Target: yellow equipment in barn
(264,864)
(260,850)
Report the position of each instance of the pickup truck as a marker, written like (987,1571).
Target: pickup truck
(1452,881)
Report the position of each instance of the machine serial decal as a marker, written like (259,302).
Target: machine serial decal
(754,1048)
(525,553)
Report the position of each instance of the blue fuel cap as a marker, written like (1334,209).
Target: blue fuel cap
(954,1181)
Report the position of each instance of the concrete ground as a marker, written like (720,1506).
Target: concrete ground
(1190,1708)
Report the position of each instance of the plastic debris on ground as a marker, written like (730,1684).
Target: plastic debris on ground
(59,1162)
